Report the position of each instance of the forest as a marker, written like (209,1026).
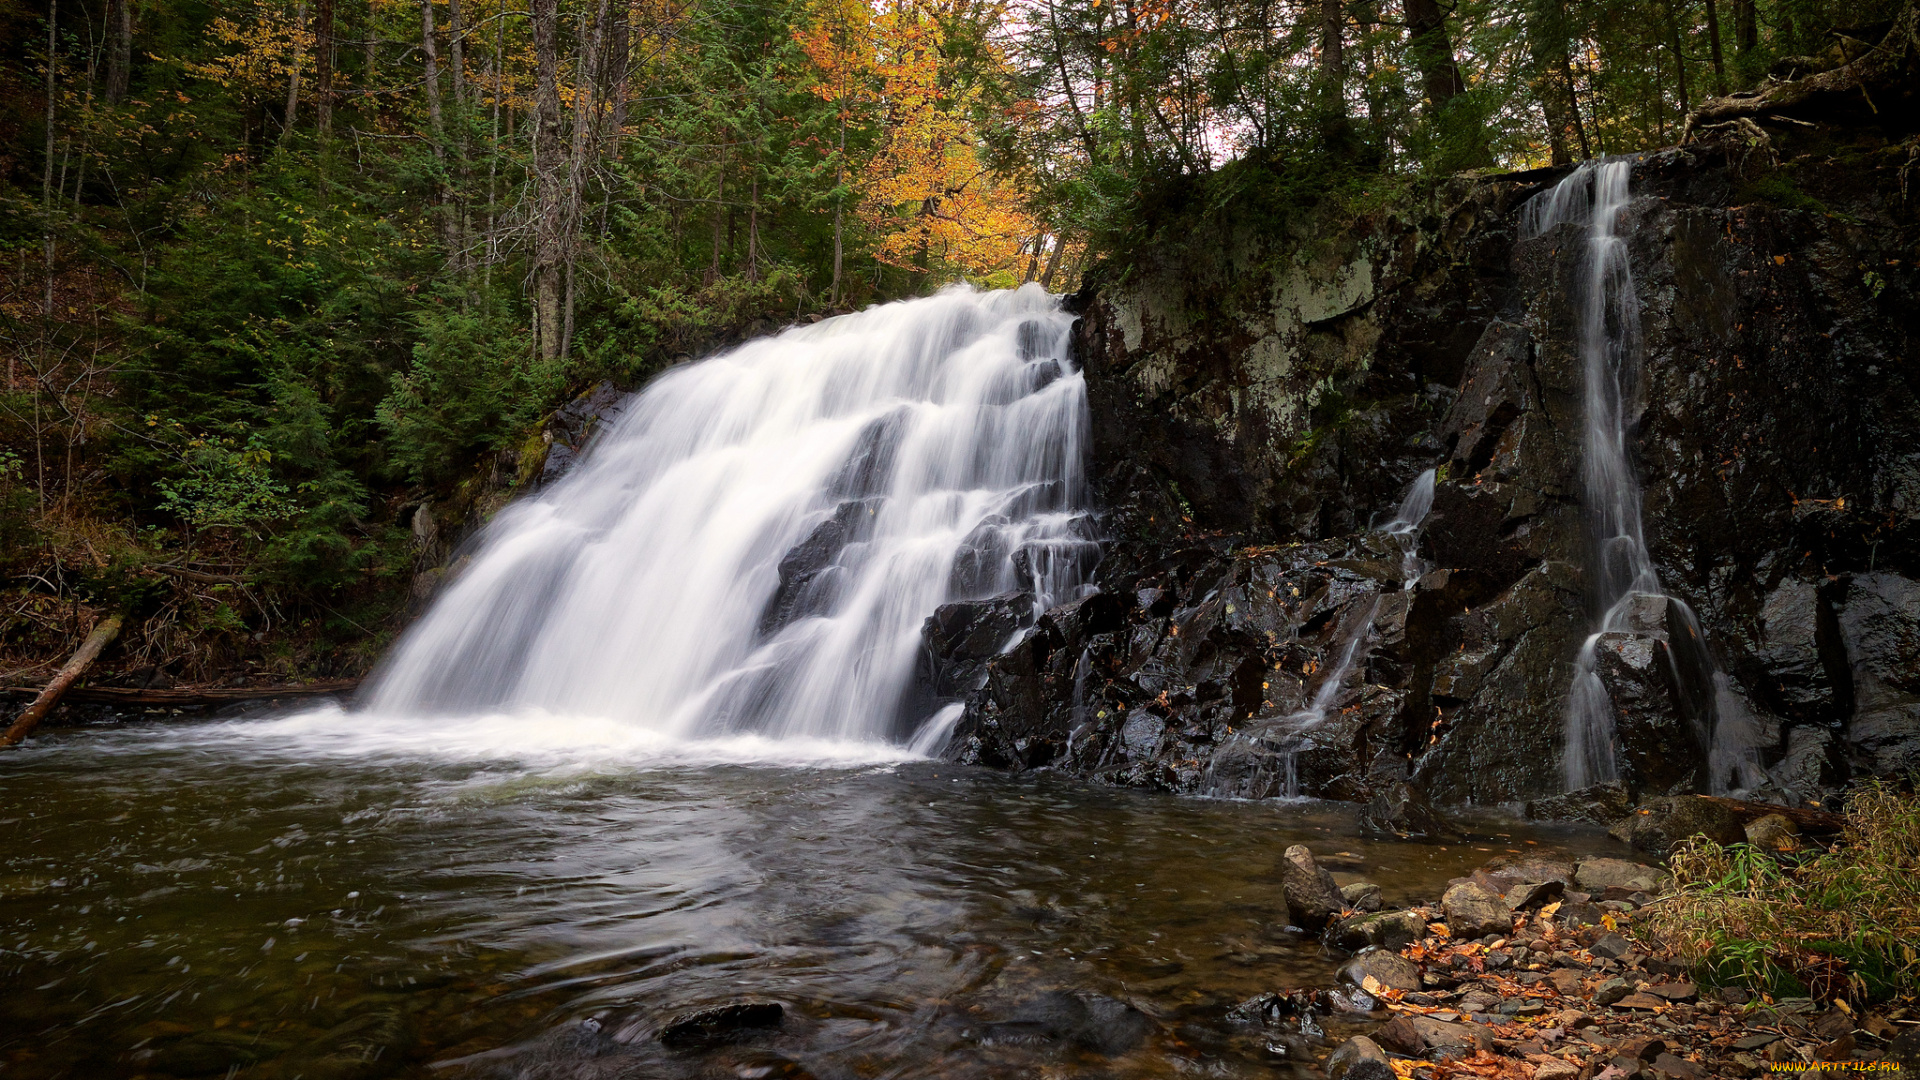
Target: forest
(281,272)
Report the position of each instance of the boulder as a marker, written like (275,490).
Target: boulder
(1538,894)
(1387,969)
(1533,868)
(1359,1058)
(1658,824)
(1362,896)
(1473,911)
(1599,875)
(1402,809)
(1392,930)
(1415,1035)
(1312,896)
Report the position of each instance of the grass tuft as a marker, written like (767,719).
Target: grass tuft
(1839,922)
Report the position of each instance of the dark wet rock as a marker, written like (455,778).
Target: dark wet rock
(1597,875)
(959,639)
(1473,911)
(1658,824)
(1388,969)
(1402,809)
(1601,804)
(1611,991)
(1274,1008)
(1392,930)
(1611,946)
(723,1024)
(1359,1058)
(1312,896)
(1879,623)
(1362,896)
(1813,767)
(1090,1022)
(1658,737)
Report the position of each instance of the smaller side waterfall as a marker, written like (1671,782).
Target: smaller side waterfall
(1265,756)
(1607,337)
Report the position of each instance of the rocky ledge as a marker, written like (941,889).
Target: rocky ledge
(1534,968)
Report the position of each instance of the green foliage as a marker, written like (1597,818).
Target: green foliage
(1832,923)
(475,382)
(224,483)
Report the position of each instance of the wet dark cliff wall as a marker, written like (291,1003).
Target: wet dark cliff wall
(1261,397)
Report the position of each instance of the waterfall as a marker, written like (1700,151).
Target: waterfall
(1607,337)
(1268,753)
(754,544)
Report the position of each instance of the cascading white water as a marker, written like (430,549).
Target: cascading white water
(1607,335)
(1266,756)
(754,544)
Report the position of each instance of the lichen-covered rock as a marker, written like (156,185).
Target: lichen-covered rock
(1599,875)
(1362,896)
(1391,930)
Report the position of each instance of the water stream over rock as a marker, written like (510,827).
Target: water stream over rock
(754,544)
(1622,581)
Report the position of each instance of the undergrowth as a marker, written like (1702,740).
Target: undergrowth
(1838,922)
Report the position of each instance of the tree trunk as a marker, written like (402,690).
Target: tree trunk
(619,65)
(584,155)
(430,76)
(719,217)
(1552,82)
(1746,27)
(322,68)
(1333,71)
(839,181)
(1053,262)
(1719,58)
(299,61)
(120,50)
(457,53)
(753,226)
(103,633)
(1679,58)
(550,198)
(1432,53)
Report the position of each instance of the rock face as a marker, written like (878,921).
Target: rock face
(1260,398)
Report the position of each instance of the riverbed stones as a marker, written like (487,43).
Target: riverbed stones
(1362,896)
(1359,1058)
(1387,969)
(1311,894)
(1092,1022)
(1658,824)
(1527,897)
(1415,1035)
(1474,911)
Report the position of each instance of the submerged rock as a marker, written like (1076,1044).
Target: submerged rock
(1402,809)
(1091,1022)
(1601,804)
(723,1024)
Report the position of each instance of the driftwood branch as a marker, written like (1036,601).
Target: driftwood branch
(191,697)
(47,698)
(1809,821)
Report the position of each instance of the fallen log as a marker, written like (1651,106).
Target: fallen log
(190,696)
(1809,820)
(103,632)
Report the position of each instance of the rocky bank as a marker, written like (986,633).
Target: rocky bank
(1264,394)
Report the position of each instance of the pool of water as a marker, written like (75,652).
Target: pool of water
(333,896)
